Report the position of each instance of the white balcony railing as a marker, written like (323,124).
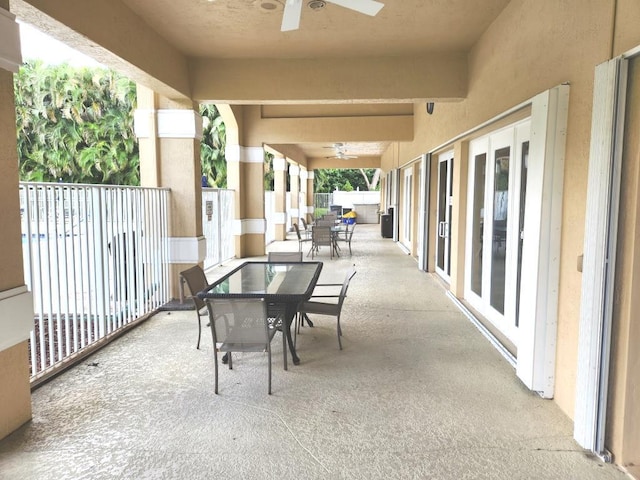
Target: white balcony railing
(95,259)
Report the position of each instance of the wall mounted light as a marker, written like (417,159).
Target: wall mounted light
(430,107)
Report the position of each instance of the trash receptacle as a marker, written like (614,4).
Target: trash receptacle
(386,225)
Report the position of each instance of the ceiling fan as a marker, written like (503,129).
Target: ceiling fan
(341,153)
(343,156)
(293,10)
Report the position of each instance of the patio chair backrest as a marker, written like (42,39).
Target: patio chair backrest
(322,236)
(196,281)
(284,257)
(239,325)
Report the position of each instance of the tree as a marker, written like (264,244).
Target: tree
(330,179)
(75,125)
(373,183)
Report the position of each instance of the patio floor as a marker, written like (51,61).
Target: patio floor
(417,393)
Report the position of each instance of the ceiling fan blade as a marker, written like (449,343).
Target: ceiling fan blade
(291,15)
(368,7)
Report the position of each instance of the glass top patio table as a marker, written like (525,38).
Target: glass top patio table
(284,284)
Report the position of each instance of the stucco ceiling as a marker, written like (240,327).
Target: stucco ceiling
(231,30)
(251,28)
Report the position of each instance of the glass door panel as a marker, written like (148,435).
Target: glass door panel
(479,165)
(444,210)
(499,234)
(408,207)
(524,165)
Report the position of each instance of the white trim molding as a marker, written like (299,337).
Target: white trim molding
(16,311)
(304,174)
(294,170)
(312,175)
(279,218)
(172,123)
(279,164)
(251,154)
(294,213)
(249,226)
(232,153)
(310,209)
(10,50)
(187,249)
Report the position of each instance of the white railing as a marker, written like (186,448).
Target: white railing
(217,225)
(95,259)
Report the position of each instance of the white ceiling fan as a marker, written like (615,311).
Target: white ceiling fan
(343,156)
(293,10)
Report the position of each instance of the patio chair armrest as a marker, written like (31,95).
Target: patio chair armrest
(328,284)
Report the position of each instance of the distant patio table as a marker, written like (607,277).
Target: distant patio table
(282,285)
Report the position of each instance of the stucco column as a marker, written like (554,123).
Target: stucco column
(16,304)
(304,174)
(310,193)
(280,187)
(169,134)
(294,187)
(245,175)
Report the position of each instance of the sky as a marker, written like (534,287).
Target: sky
(37,45)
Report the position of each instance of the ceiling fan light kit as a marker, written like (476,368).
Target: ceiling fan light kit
(293,10)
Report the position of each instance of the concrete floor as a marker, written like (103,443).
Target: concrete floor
(417,393)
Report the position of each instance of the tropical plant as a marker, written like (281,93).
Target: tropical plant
(212,147)
(75,125)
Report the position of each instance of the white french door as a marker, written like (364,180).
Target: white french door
(444,211)
(495,224)
(407,207)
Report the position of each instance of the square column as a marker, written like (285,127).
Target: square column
(280,187)
(169,135)
(310,193)
(245,175)
(16,304)
(294,185)
(304,174)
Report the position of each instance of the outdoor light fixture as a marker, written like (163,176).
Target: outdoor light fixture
(430,107)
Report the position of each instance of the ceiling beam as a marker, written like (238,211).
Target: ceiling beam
(330,80)
(360,162)
(378,128)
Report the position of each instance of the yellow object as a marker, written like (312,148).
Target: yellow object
(351,214)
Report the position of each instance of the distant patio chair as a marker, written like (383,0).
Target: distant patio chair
(196,281)
(347,235)
(322,237)
(300,239)
(240,325)
(329,309)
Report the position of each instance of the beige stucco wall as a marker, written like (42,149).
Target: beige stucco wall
(516,59)
(15,399)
